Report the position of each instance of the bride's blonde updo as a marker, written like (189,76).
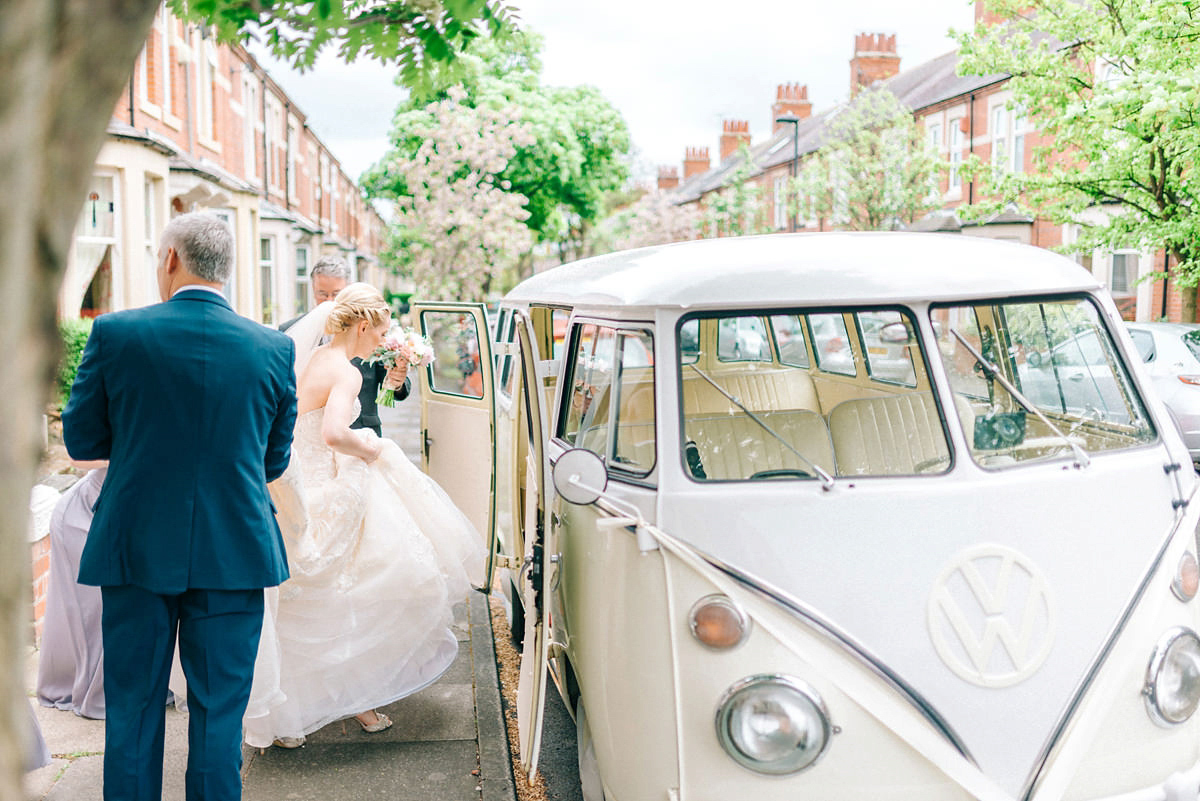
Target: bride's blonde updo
(355,303)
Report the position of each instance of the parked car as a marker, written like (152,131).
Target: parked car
(855,562)
(1171,353)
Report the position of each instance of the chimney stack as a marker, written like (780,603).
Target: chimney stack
(989,18)
(875,59)
(790,98)
(668,178)
(695,161)
(733,134)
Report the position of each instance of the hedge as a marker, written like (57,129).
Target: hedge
(74,335)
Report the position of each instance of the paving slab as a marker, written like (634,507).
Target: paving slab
(438,771)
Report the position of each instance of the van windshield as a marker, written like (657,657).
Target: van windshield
(1074,388)
(807,394)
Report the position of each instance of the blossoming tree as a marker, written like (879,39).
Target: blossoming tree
(1117,108)
(457,224)
(652,219)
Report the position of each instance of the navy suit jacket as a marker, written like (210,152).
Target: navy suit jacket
(194,408)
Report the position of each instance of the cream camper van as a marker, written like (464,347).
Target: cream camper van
(831,516)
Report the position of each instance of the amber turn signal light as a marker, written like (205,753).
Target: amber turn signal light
(718,623)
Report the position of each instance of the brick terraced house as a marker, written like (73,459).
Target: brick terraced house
(963,115)
(202,126)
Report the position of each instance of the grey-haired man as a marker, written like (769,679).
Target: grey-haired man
(328,277)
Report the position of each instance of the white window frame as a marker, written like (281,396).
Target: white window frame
(955,144)
(780,201)
(206,72)
(230,288)
(1008,127)
(251,124)
(933,135)
(1132,272)
(293,144)
(302,279)
(266,277)
(153,187)
(97,241)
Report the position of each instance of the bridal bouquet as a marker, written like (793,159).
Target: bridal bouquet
(400,346)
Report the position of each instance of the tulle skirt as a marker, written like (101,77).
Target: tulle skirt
(377,564)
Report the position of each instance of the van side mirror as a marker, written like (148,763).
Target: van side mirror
(896,333)
(579,476)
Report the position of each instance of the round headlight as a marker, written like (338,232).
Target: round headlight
(1173,679)
(773,724)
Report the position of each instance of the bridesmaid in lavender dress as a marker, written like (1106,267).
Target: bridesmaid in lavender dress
(71,660)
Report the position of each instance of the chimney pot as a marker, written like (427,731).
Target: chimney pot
(734,132)
(875,59)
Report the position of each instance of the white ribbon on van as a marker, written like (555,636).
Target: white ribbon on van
(886,707)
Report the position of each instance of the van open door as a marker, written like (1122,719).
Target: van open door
(458,448)
(531,686)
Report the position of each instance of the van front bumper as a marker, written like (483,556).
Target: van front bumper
(1182,786)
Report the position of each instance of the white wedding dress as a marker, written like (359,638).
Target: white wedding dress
(378,555)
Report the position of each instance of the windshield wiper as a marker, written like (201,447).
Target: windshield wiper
(1081,457)
(826,479)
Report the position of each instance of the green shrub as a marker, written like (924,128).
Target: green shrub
(74,335)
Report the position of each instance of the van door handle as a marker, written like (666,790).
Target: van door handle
(426,441)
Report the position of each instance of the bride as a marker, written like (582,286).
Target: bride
(378,553)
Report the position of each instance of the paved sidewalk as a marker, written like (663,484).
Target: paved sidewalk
(448,742)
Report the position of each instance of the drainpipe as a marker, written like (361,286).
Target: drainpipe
(971,141)
(131,122)
(287,154)
(266,156)
(187,96)
(1166,263)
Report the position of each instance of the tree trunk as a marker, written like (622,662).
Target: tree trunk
(1187,294)
(65,63)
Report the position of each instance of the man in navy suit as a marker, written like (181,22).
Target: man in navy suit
(184,537)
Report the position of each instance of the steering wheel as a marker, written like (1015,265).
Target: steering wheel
(793,472)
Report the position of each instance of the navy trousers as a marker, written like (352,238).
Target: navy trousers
(218,633)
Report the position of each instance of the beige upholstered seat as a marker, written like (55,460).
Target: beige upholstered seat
(889,436)
(759,390)
(733,446)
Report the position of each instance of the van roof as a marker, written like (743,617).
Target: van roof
(804,269)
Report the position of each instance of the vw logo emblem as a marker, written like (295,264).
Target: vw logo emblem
(991,616)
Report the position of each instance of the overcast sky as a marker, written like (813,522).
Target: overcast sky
(673,68)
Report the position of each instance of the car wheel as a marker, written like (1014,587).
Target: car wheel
(589,769)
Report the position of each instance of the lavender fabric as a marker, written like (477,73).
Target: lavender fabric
(37,755)
(71,660)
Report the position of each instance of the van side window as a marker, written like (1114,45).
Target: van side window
(831,344)
(456,369)
(558,321)
(888,340)
(742,339)
(609,408)
(789,336)
(505,330)
(586,418)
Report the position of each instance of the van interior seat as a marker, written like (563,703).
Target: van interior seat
(734,446)
(760,390)
(889,436)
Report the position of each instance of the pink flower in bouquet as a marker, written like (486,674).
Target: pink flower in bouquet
(400,346)
(416,349)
